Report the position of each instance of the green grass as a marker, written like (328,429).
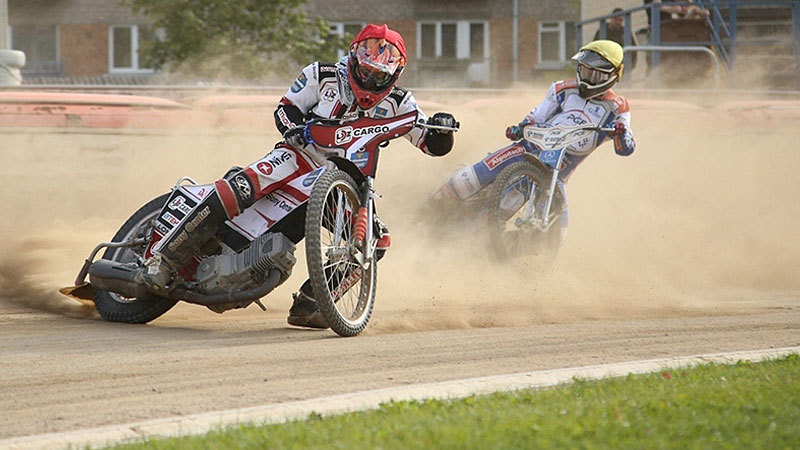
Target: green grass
(743,405)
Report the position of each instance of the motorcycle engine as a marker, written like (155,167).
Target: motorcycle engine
(246,269)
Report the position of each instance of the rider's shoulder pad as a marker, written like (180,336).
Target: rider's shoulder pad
(565,84)
(622,104)
(398,94)
(325,70)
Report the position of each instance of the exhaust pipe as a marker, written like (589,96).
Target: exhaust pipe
(120,278)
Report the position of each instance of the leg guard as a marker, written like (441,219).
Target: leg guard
(196,229)
(185,241)
(236,192)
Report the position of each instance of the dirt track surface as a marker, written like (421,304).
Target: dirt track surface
(61,374)
(689,246)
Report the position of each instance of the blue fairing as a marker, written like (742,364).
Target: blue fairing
(489,167)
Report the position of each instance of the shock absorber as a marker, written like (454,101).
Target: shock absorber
(360,227)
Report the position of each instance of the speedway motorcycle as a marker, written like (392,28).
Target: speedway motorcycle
(523,204)
(250,255)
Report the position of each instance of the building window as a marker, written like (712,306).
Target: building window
(427,41)
(556,43)
(346,30)
(123,46)
(453,40)
(39,42)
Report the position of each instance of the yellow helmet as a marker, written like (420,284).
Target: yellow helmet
(599,67)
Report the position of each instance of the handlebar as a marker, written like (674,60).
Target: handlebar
(422,124)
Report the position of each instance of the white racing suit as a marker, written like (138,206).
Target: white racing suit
(274,189)
(562,106)
(320,91)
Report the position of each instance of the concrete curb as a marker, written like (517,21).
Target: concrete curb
(358,401)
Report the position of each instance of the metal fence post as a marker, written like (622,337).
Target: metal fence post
(627,31)
(796,38)
(3,24)
(655,40)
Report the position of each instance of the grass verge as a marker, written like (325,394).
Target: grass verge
(754,405)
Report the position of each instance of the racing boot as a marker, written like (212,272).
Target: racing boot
(384,238)
(184,241)
(304,311)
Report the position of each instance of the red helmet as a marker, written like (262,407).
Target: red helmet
(377,58)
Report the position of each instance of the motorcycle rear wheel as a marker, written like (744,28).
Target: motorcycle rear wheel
(114,307)
(344,291)
(510,236)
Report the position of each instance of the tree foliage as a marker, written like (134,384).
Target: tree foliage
(243,39)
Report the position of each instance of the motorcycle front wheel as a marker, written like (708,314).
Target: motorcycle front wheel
(343,288)
(512,233)
(117,308)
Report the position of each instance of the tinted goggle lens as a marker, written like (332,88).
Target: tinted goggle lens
(591,75)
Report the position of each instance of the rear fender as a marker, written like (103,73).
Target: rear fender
(535,161)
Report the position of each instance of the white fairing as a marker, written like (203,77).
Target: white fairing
(576,118)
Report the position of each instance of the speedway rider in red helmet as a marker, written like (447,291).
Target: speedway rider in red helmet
(361,84)
(584,100)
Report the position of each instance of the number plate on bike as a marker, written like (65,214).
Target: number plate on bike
(550,157)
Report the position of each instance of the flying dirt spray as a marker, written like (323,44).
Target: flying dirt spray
(702,215)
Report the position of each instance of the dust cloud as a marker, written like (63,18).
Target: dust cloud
(701,219)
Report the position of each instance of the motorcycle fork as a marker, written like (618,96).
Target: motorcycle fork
(543,223)
(365,225)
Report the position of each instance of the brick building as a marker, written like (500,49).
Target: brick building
(468,42)
(76,37)
(450,42)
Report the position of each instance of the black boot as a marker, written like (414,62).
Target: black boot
(304,311)
(185,241)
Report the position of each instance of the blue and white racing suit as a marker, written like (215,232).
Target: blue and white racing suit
(562,106)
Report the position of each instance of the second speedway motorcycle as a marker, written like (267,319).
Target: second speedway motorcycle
(251,255)
(521,209)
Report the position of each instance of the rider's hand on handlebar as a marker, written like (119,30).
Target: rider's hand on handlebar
(443,119)
(514,132)
(295,137)
(619,129)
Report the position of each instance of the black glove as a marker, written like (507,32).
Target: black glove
(443,119)
(516,132)
(295,137)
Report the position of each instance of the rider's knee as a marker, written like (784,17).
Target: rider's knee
(464,183)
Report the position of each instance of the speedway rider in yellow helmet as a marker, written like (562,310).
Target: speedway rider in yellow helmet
(588,99)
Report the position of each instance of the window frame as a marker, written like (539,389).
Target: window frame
(135,65)
(463,50)
(550,26)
